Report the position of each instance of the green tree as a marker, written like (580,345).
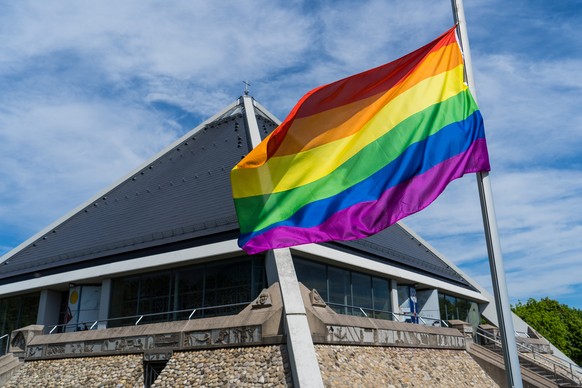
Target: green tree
(558,323)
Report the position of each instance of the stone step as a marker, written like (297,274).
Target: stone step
(11,365)
(8,365)
(531,368)
(534,367)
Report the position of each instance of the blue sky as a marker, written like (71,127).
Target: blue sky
(89,90)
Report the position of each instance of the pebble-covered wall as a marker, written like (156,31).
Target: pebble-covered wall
(264,366)
(107,372)
(367,366)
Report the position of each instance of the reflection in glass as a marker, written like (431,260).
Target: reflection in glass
(211,289)
(345,291)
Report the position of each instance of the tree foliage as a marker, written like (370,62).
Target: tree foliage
(558,323)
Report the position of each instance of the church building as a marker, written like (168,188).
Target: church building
(151,267)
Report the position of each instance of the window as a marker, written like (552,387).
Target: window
(312,275)
(458,308)
(211,289)
(17,312)
(362,294)
(346,292)
(340,296)
(381,298)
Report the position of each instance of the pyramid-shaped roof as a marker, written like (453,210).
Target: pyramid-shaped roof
(182,198)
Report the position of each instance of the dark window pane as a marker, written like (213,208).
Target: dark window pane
(458,308)
(451,307)
(463,306)
(345,291)
(228,283)
(259,277)
(202,287)
(381,291)
(155,285)
(190,284)
(442,306)
(312,275)
(339,289)
(17,312)
(362,293)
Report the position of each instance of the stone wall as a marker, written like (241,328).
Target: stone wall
(111,371)
(367,366)
(265,366)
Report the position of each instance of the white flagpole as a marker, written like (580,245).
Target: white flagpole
(504,315)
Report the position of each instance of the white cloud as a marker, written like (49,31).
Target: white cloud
(375,32)
(539,221)
(531,109)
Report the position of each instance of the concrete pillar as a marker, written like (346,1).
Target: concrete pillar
(104,303)
(49,308)
(302,357)
(394,298)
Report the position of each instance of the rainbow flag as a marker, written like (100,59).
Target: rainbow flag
(355,156)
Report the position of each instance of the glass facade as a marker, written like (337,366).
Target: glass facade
(452,307)
(217,288)
(345,291)
(17,312)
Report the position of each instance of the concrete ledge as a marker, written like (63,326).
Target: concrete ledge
(328,327)
(259,323)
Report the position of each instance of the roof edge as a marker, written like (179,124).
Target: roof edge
(266,112)
(443,258)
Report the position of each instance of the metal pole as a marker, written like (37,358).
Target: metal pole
(504,316)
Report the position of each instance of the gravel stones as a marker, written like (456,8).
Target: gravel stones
(373,366)
(264,366)
(257,366)
(107,372)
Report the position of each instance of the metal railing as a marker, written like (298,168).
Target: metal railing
(134,320)
(341,308)
(424,320)
(559,369)
(5,349)
(398,317)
